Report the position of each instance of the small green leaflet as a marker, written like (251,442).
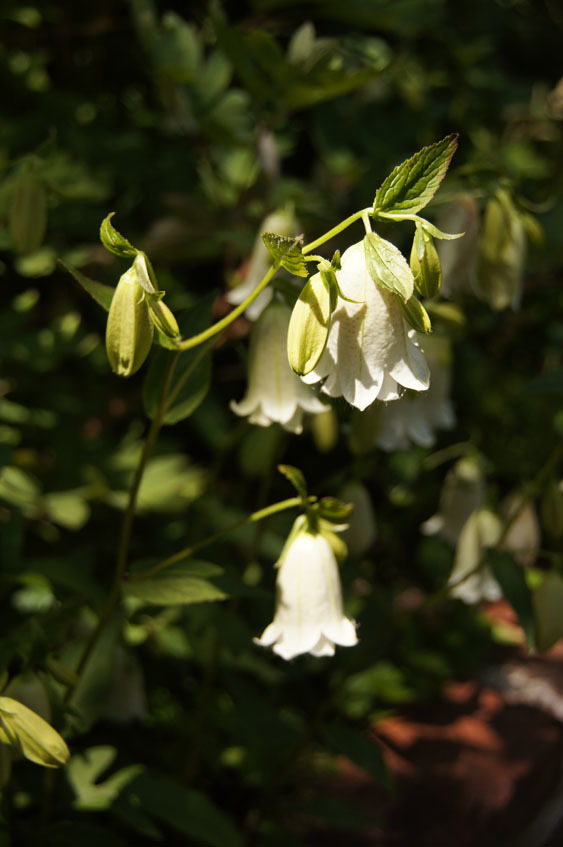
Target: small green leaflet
(411,185)
(387,266)
(286,251)
(102,294)
(295,476)
(113,241)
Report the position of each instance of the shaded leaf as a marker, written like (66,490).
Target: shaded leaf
(547,601)
(510,576)
(179,585)
(357,746)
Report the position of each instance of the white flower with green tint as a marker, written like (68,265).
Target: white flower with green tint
(369,353)
(274,394)
(309,616)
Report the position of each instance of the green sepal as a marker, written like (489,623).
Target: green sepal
(425,264)
(415,314)
(333,510)
(412,184)
(387,266)
(113,241)
(295,476)
(286,251)
(102,294)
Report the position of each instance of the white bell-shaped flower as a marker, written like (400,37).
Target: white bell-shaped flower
(308,616)
(370,353)
(462,494)
(282,222)
(470,579)
(274,394)
(413,418)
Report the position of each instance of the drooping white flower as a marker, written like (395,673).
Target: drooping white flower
(369,352)
(413,418)
(308,616)
(281,222)
(462,493)
(468,582)
(274,394)
(458,257)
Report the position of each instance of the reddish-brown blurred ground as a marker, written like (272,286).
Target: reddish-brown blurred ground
(482,766)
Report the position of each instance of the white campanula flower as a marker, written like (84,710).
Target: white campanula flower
(459,256)
(370,353)
(414,417)
(469,582)
(463,493)
(308,616)
(274,394)
(281,222)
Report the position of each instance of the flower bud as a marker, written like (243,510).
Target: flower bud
(309,323)
(502,254)
(552,509)
(130,329)
(28,213)
(22,728)
(425,264)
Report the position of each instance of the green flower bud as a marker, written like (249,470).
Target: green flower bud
(28,213)
(24,729)
(552,509)
(425,264)
(310,322)
(163,317)
(130,329)
(502,254)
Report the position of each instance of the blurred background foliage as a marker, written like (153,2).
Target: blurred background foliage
(192,122)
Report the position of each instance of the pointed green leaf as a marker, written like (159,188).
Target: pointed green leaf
(411,185)
(286,251)
(387,266)
(179,585)
(510,576)
(415,314)
(295,476)
(357,746)
(102,294)
(113,241)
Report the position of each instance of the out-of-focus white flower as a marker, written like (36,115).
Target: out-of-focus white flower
(463,492)
(413,418)
(481,530)
(274,394)
(282,222)
(369,352)
(502,254)
(459,257)
(309,616)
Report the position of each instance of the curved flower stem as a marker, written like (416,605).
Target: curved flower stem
(531,491)
(336,229)
(126,529)
(218,327)
(291,503)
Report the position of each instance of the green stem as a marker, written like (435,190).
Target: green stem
(126,529)
(291,503)
(336,229)
(218,327)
